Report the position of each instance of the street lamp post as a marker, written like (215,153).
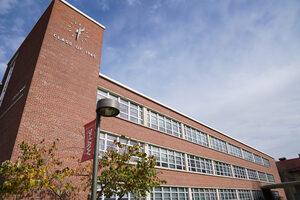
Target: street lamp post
(105,108)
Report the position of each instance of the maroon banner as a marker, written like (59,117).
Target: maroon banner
(89,141)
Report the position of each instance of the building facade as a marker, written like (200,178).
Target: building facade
(50,90)
(289,171)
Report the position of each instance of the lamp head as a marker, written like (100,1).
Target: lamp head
(108,107)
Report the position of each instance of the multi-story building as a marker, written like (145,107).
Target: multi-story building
(50,90)
(289,171)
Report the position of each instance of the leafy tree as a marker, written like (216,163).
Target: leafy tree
(128,170)
(37,172)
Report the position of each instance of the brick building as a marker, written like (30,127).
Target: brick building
(289,170)
(50,89)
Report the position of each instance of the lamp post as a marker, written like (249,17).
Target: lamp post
(105,108)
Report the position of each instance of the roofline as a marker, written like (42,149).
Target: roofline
(288,160)
(82,13)
(168,107)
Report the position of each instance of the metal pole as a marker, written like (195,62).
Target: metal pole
(95,160)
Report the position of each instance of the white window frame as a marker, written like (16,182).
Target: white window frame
(169,193)
(222,169)
(239,172)
(175,125)
(201,165)
(195,136)
(247,155)
(11,68)
(227,194)
(234,150)
(204,193)
(218,144)
(244,194)
(164,156)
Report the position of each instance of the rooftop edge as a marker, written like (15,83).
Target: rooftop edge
(168,107)
(82,13)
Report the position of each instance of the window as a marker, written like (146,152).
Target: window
(164,124)
(257,159)
(257,195)
(262,176)
(227,194)
(202,165)
(266,162)
(204,194)
(106,142)
(239,172)
(252,174)
(245,195)
(169,193)
(125,197)
(222,169)
(247,155)
(167,158)
(128,109)
(234,150)
(152,120)
(195,136)
(270,178)
(12,65)
(218,144)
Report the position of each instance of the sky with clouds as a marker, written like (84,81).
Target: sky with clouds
(233,65)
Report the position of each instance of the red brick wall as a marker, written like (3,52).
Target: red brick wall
(61,84)
(62,95)
(12,109)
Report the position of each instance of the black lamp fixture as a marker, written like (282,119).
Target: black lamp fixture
(108,108)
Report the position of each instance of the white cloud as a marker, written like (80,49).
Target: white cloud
(103,5)
(133,2)
(3,60)
(238,69)
(2,68)
(6,5)
(13,42)
(17,27)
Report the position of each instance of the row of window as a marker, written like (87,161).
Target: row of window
(176,160)
(180,193)
(231,149)
(202,165)
(125,197)
(134,113)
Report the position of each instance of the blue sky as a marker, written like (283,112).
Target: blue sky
(232,65)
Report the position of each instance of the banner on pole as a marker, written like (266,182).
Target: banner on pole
(89,141)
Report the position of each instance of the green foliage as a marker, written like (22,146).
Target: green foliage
(129,171)
(37,172)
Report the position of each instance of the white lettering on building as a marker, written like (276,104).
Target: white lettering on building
(77,47)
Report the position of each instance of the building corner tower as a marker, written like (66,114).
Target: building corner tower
(50,85)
